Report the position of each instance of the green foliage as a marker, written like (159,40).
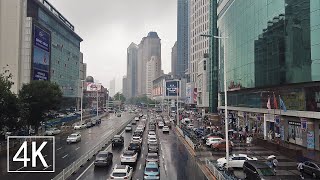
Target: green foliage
(118,96)
(8,103)
(37,98)
(141,100)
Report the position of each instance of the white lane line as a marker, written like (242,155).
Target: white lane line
(89,166)
(59,148)
(86,142)
(165,167)
(47,167)
(140,166)
(142,156)
(162,156)
(142,148)
(77,148)
(20,168)
(64,156)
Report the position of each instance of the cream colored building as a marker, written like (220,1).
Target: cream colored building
(15,41)
(153,72)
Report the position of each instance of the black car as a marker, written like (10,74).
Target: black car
(138,133)
(258,170)
(133,146)
(103,158)
(98,121)
(117,140)
(153,147)
(311,168)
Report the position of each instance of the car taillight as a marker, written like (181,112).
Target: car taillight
(111,177)
(126,177)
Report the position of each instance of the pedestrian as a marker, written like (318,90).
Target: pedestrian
(300,167)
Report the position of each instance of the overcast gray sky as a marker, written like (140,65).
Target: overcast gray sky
(107,28)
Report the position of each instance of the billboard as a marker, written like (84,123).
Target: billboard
(41,54)
(93,86)
(172,88)
(189,93)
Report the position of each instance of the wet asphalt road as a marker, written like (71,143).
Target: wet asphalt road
(175,161)
(67,153)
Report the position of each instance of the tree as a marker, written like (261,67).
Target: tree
(37,98)
(9,110)
(120,96)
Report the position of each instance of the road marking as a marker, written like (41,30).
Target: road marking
(162,156)
(47,167)
(89,166)
(59,148)
(86,142)
(64,156)
(142,148)
(140,166)
(77,148)
(165,167)
(20,168)
(142,156)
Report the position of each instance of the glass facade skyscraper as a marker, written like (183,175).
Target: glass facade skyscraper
(182,38)
(65,46)
(272,52)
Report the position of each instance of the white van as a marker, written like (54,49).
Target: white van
(212,140)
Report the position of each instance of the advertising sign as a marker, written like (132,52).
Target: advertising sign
(310,140)
(189,93)
(93,87)
(41,54)
(172,88)
(303,124)
(195,95)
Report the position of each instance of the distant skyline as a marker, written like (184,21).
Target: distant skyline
(108,27)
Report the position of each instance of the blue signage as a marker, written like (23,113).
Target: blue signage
(310,140)
(172,88)
(41,54)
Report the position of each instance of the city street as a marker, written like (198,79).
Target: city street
(175,161)
(67,153)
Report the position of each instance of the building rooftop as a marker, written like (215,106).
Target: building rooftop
(152,34)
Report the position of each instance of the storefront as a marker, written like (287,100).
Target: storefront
(294,133)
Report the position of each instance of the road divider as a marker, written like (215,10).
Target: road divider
(74,167)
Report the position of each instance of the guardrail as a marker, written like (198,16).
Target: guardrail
(72,168)
(180,131)
(189,141)
(218,174)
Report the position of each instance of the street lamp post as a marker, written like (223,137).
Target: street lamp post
(226,122)
(81,101)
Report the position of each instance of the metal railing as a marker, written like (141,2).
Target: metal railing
(189,141)
(214,170)
(72,168)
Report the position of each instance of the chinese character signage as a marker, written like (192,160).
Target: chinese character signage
(41,54)
(172,88)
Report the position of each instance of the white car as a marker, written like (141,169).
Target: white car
(152,140)
(136,118)
(73,138)
(121,172)
(160,124)
(152,134)
(52,131)
(190,126)
(212,140)
(235,160)
(128,127)
(137,139)
(129,157)
(80,126)
(165,129)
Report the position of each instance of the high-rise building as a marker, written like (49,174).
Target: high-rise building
(272,63)
(174,60)
(199,46)
(38,43)
(182,38)
(148,47)
(132,72)
(153,72)
(125,86)
(112,89)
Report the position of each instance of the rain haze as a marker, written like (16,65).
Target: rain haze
(109,26)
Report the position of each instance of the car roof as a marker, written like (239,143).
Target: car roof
(103,152)
(76,133)
(152,164)
(258,164)
(152,154)
(117,136)
(120,168)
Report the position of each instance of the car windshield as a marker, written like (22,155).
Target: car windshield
(128,153)
(151,169)
(116,174)
(152,156)
(73,135)
(266,172)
